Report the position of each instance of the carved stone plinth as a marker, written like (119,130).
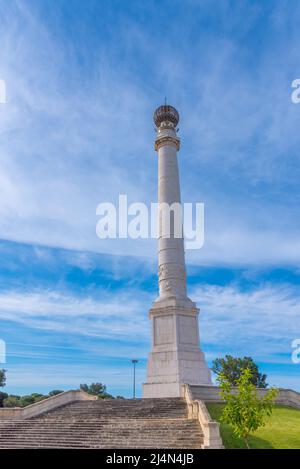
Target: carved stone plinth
(175,358)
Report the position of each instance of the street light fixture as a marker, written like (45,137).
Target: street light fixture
(134,361)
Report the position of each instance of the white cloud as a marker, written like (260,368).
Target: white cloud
(116,315)
(68,145)
(261,322)
(73,137)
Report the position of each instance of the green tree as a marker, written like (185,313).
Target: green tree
(23,401)
(55,392)
(96,389)
(3,396)
(2,378)
(245,411)
(12,401)
(31,399)
(232,368)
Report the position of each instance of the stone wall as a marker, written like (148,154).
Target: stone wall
(45,405)
(197,410)
(211,394)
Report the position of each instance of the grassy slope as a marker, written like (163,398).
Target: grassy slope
(282,429)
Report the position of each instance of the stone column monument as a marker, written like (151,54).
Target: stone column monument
(176,357)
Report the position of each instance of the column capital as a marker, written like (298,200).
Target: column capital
(167,140)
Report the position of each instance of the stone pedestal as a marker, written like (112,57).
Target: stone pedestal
(175,358)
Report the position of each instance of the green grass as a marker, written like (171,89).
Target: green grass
(282,429)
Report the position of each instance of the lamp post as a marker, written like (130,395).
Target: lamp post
(134,361)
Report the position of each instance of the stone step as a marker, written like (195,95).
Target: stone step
(113,423)
(109,446)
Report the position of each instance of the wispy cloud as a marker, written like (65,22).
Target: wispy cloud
(113,315)
(261,322)
(82,83)
(239,128)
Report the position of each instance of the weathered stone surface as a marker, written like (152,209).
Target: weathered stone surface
(109,423)
(212,394)
(175,358)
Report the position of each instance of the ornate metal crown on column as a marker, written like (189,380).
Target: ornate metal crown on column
(164,114)
(166,119)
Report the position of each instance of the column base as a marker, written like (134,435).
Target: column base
(176,357)
(168,371)
(153,390)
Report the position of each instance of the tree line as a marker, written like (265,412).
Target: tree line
(13,400)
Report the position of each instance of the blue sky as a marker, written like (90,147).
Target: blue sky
(83,79)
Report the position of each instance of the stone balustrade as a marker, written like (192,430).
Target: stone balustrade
(197,410)
(212,394)
(45,405)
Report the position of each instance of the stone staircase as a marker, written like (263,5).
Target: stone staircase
(109,423)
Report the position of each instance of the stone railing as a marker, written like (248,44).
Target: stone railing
(196,396)
(197,410)
(45,405)
(212,394)
(288,397)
